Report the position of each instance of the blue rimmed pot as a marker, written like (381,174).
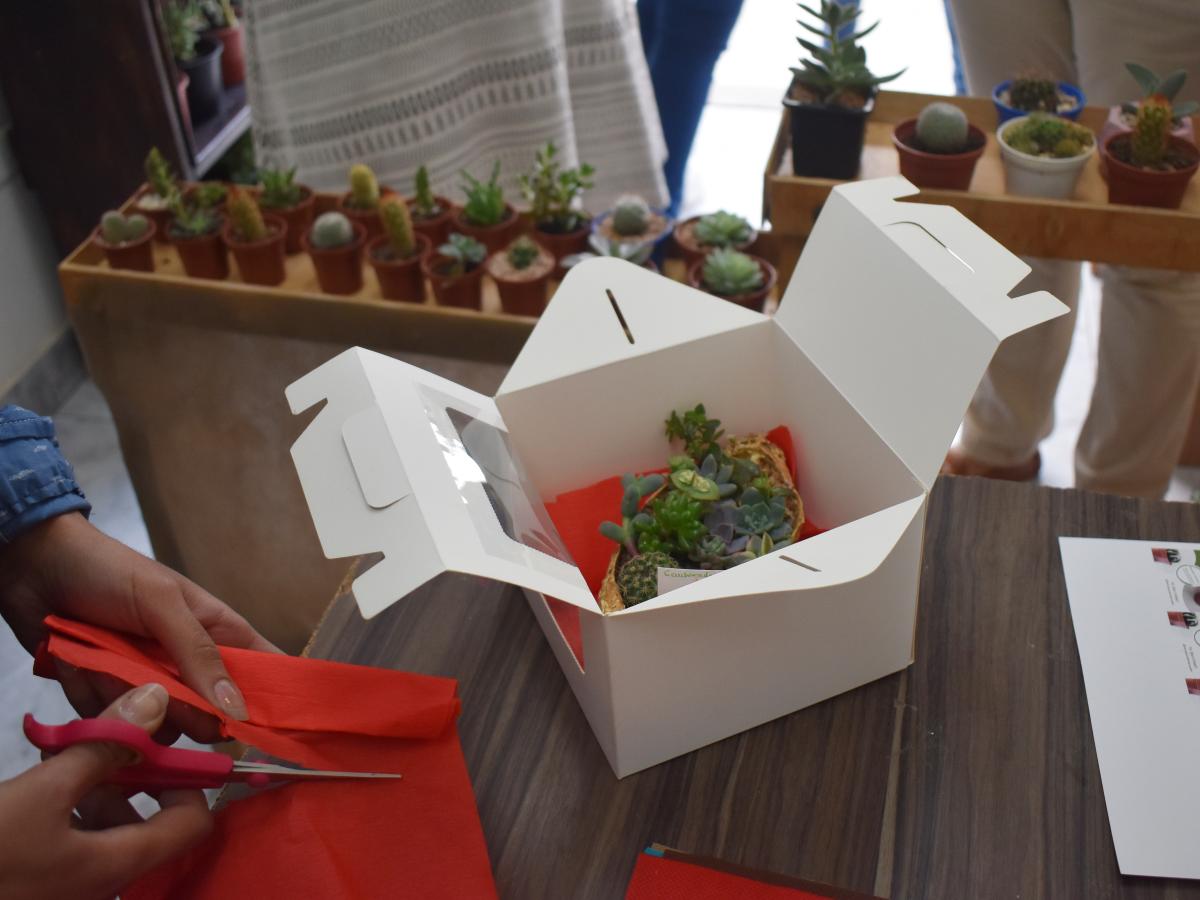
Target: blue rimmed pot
(1006,112)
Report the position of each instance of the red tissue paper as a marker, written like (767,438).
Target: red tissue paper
(418,836)
(658,878)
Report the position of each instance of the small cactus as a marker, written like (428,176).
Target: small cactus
(397,225)
(364,189)
(1151,132)
(1033,94)
(722,229)
(423,201)
(159,175)
(630,216)
(1042,134)
(248,224)
(118,229)
(942,128)
(332,229)
(731,274)
(522,252)
(638,578)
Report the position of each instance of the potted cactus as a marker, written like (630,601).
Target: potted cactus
(199,58)
(455,271)
(939,148)
(832,94)
(700,235)
(292,202)
(1043,155)
(737,277)
(226,30)
(632,221)
(335,245)
(1150,166)
(153,199)
(196,234)
(126,241)
(521,272)
(1035,92)
(1122,118)
(431,213)
(255,240)
(397,253)
(208,194)
(361,203)
(553,194)
(486,215)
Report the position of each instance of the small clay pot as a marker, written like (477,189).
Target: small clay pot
(233,58)
(399,279)
(691,249)
(160,217)
(339,269)
(137,256)
(752,300)
(1116,124)
(299,218)
(494,237)
(259,262)
(1136,186)
(949,171)
(436,228)
(522,291)
(563,244)
(367,218)
(203,256)
(464,291)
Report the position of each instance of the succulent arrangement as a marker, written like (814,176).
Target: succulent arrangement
(630,216)
(553,192)
(425,205)
(331,230)
(522,252)
(117,229)
(1044,134)
(836,73)
(397,225)
(719,506)
(279,188)
(485,204)
(464,253)
(731,273)
(248,224)
(942,128)
(364,188)
(722,229)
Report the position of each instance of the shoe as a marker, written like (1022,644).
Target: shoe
(958,463)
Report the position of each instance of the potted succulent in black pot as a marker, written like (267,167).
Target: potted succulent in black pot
(553,193)
(939,148)
(199,58)
(734,276)
(832,94)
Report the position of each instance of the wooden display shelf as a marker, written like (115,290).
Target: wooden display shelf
(1085,227)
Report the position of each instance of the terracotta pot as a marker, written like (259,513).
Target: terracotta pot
(691,249)
(299,219)
(494,237)
(339,269)
(137,256)
(233,58)
(367,218)
(1115,124)
(259,262)
(1135,186)
(950,171)
(204,256)
(160,217)
(464,291)
(753,300)
(399,279)
(562,245)
(185,114)
(437,229)
(522,296)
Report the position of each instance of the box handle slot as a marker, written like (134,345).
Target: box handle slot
(933,237)
(620,315)
(796,562)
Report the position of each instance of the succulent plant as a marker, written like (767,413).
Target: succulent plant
(279,188)
(711,481)
(330,230)
(424,204)
(630,216)
(672,523)
(191,221)
(699,433)
(364,188)
(636,489)
(763,514)
(722,229)
(397,225)
(485,204)
(1166,88)
(636,252)
(638,577)
(522,252)
(1043,134)
(553,192)
(942,128)
(159,175)
(1033,94)
(1151,132)
(463,252)
(184,21)
(837,73)
(247,219)
(118,229)
(209,194)
(756,546)
(730,273)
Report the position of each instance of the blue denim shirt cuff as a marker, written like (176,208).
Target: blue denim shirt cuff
(36,481)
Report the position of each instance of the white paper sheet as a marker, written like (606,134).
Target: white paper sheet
(1134,607)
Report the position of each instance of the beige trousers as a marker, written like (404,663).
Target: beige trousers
(1148,364)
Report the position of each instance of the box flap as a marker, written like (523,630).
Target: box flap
(410,465)
(608,310)
(901,306)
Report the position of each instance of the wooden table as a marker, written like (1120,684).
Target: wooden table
(971,775)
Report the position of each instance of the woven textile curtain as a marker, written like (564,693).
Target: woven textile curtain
(453,84)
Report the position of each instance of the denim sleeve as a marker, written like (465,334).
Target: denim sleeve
(36,482)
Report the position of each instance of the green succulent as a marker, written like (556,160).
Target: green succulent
(118,229)
(279,190)
(635,490)
(1033,94)
(159,175)
(189,220)
(1043,134)
(210,194)
(1166,88)
(522,252)
(672,524)
(699,433)
(464,253)
(710,482)
(184,21)
(837,73)
(424,204)
(630,216)
(731,273)
(485,204)
(762,514)
(722,229)
(638,577)
(553,192)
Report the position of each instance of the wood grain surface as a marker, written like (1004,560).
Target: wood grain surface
(973,774)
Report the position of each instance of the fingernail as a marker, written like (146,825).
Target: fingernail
(230,700)
(143,705)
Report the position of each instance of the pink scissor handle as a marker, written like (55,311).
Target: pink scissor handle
(158,767)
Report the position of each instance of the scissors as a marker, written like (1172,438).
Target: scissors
(161,768)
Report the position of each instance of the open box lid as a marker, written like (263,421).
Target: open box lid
(901,306)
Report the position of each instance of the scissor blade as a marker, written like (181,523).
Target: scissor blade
(291,772)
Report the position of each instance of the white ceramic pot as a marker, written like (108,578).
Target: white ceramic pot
(1039,176)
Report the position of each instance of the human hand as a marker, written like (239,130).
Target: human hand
(68,567)
(43,856)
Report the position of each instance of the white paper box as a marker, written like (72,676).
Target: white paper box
(883,334)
